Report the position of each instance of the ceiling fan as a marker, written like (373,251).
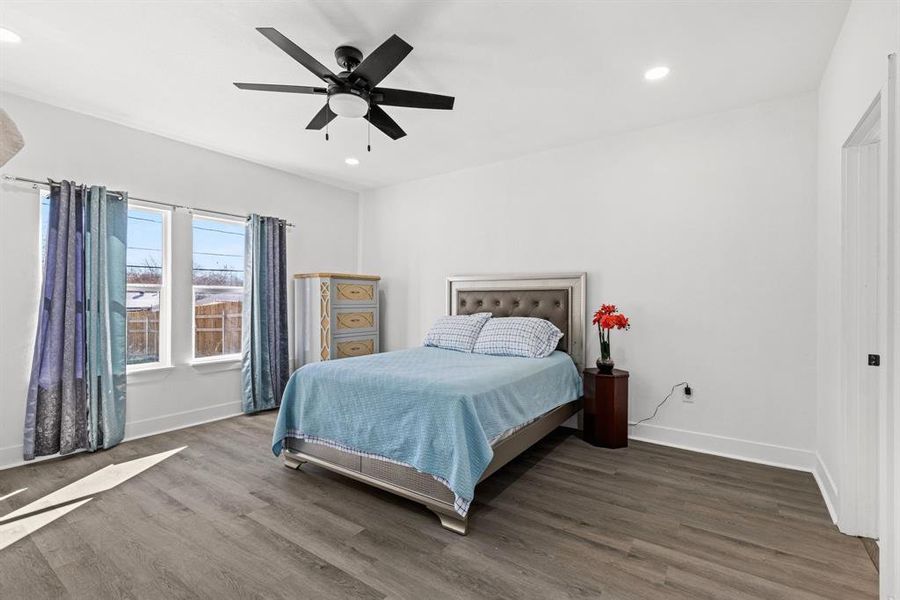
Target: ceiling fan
(352,92)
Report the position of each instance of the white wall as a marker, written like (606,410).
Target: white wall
(63,144)
(702,231)
(856,71)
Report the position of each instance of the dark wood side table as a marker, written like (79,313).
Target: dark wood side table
(606,408)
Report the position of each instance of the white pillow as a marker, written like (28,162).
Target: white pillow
(518,336)
(456,332)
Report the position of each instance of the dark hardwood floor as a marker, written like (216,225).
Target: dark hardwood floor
(224,519)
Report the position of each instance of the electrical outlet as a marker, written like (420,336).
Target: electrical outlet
(688,394)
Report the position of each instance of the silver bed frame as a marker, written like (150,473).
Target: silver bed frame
(421,487)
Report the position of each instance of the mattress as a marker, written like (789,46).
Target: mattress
(436,411)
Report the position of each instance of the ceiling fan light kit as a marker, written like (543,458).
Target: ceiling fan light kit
(348,104)
(353,93)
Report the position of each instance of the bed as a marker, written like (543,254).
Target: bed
(429,424)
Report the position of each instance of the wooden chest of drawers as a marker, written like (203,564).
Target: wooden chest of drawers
(336,316)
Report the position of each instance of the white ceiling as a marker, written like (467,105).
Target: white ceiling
(527,76)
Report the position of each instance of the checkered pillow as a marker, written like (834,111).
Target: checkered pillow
(518,336)
(457,332)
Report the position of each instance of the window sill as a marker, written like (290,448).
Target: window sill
(218,363)
(148,367)
(141,372)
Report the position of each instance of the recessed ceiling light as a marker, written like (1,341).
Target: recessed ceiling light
(656,73)
(9,37)
(352,161)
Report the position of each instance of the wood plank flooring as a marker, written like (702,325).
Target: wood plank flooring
(223,519)
(871,547)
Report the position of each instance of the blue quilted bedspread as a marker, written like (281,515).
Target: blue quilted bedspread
(436,410)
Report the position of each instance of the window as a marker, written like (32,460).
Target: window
(218,265)
(45,223)
(147,282)
(146,296)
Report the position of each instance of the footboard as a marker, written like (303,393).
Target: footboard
(412,484)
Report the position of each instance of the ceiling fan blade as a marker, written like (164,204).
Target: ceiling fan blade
(384,122)
(322,118)
(411,99)
(298,53)
(276,87)
(382,60)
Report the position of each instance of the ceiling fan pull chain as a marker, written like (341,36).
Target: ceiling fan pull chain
(327,119)
(369,130)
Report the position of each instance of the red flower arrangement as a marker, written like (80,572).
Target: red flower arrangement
(606,319)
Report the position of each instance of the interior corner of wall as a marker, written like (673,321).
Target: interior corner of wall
(827,487)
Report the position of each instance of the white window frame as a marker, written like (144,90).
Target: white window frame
(165,292)
(234,357)
(41,225)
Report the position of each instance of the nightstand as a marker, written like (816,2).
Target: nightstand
(606,408)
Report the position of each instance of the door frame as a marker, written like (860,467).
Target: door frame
(862,490)
(889,430)
(862,173)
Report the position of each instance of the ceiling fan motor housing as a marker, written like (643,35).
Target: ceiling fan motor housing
(348,57)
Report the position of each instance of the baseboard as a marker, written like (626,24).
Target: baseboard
(827,487)
(728,447)
(11,456)
(180,420)
(756,452)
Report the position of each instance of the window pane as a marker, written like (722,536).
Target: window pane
(217,322)
(145,240)
(142,307)
(218,252)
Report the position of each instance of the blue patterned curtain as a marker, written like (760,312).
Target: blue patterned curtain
(265,333)
(105,244)
(76,396)
(56,406)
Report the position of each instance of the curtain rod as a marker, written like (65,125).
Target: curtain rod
(36,183)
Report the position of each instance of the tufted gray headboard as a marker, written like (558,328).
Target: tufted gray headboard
(558,298)
(552,305)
